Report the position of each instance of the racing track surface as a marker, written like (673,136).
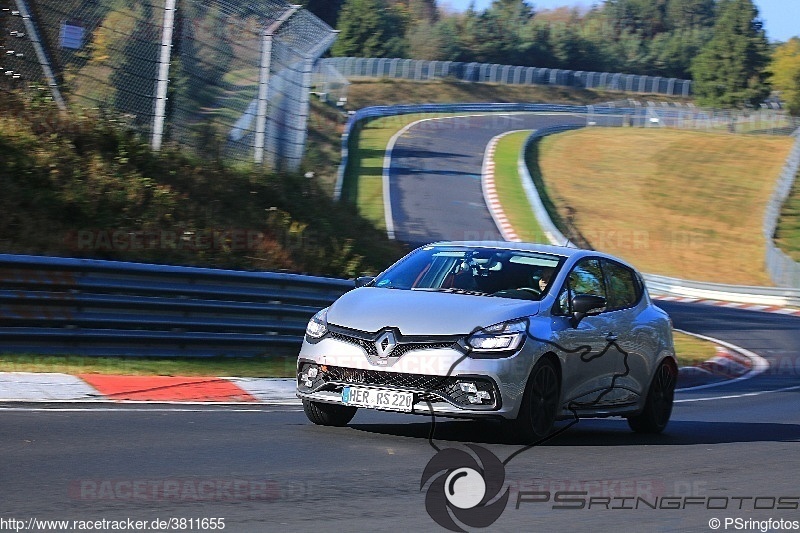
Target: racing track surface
(725,447)
(435,184)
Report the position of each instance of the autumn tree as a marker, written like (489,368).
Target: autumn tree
(785,69)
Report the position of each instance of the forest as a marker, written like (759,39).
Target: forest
(720,44)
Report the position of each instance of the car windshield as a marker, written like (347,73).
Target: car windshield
(481,271)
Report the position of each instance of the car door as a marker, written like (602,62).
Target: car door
(590,362)
(628,330)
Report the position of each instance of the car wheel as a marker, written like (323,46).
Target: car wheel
(328,414)
(537,414)
(658,406)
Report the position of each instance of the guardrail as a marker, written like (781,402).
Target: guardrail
(746,294)
(52,305)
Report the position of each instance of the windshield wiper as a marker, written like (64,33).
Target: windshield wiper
(451,290)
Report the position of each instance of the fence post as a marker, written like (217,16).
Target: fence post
(163,75)
(308,68)
(263,82)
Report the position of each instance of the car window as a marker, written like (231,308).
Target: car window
(624,289)
(518,274)
(585,278)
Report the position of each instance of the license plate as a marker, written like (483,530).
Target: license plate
(378,398)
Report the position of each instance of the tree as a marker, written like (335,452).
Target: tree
(645,17)
(672,53)
(370,28)
(730,71)
(682,14)
(495,35)
(785,69)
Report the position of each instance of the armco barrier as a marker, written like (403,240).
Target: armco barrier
(51,305)
(767,296)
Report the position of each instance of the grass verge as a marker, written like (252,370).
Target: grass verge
(251,367)
(678,203)
(691,350)
(510,192)
(787,235)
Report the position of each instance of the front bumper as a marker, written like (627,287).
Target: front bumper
(433,372)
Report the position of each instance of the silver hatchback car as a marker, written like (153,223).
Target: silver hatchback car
(525,332)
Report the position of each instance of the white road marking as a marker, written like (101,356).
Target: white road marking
(742,395)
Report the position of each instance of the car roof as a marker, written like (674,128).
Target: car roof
(506,245)
(565,251)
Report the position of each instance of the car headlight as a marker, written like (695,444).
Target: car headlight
(503,337)
(318,325)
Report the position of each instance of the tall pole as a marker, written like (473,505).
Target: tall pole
(162,82)
(41,55)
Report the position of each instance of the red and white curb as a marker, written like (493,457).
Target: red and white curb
(731,364)
(490,190)
(729,305)
(64,388)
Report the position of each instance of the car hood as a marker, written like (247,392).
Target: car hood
(422,312)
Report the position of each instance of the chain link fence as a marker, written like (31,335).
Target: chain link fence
(227,78)
(413,69)
(766,120)
(784,271)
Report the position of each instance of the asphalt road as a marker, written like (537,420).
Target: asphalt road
(269,469)
(730,452)
(435,184)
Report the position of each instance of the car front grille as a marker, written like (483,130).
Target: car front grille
(358,376)
(426,387)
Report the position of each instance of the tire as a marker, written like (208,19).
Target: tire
(540,402)
(328,414)
(658,406)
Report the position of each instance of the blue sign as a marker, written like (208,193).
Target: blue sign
(71,36)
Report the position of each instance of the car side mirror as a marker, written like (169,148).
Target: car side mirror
(584,305)
(364,281)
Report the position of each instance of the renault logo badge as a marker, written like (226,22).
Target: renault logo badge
(385,343)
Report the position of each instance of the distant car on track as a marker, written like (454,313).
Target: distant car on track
(527,333)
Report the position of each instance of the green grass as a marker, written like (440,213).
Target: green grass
(508,183)
(787,236)
(691,350)
(280,366)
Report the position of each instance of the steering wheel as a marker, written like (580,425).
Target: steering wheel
(531,290)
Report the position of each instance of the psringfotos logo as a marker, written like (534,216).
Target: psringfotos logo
(465,488)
